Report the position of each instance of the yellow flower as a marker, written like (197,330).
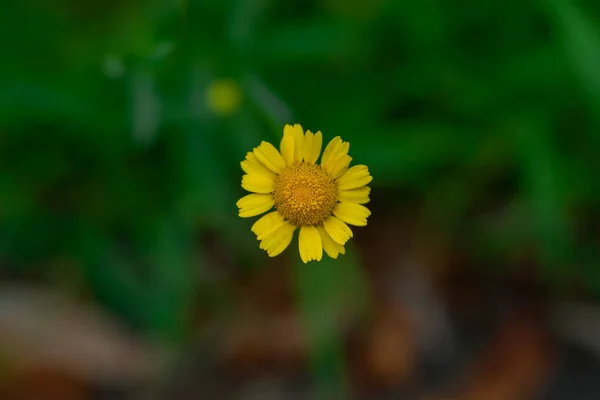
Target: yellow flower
(320,199)
(223,96)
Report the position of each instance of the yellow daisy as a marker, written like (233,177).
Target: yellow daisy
(320,199)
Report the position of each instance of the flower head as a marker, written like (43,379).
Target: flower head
(319,199)
(223,96)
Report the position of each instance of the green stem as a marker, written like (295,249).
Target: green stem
(316,289)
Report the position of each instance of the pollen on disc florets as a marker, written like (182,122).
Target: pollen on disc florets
(305,194)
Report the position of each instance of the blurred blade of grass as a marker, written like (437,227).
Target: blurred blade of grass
(24,98)
(111,278)
(172,278)
(146,107)
(331,100)
(531,77)
(326,292)
(204,179)
(157,300)
(541,164)
(243,18)
(246,133)
(581,39)
(198,155)
(407,153)
(430,34)
(209,179)
(204,29)
(275,111)
(309,43)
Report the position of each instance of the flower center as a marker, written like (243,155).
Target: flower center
(305,194)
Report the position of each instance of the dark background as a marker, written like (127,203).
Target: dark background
(126,271)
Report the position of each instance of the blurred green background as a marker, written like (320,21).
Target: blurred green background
(122,125)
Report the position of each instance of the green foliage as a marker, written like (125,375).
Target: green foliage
(111,157)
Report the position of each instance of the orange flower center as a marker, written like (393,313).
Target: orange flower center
(305,194)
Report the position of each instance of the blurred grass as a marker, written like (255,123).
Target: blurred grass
(326,291)
(111,157)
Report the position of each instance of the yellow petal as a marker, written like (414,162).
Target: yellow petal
(312,151)
(257,169)
(309,244)
(352,213)
(279,239)
(307,148)
(258,183)
(342,150)
(266,224)
(339,166)
(255,204)
(251,158)
(270,157)
(312,146)
(269,232)
(284,239)
(337,229)
(332,248)
(298,142)
(317,146)
(253,165)
(330,150)
(355,177)
(358,196)
(337,160)
(287,145)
